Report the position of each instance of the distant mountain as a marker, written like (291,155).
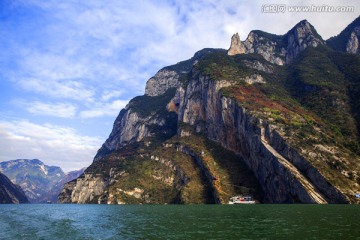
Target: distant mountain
(11,193)
(40,182)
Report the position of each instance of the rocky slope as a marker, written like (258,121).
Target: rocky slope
(278,49)
(9,192)
(276,117)
(41,183)
(348,39)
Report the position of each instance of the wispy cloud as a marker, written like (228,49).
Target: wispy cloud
(83,60)
(57,145)
(62,110)
(59,88)
(105,109)
(108,94)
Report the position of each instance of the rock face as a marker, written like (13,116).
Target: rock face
(278,49)
(82,189)
(348,39)
(352,45)
(9,192)
(41,183)
(161,82)
(219,125)
(236,47)
(223,121)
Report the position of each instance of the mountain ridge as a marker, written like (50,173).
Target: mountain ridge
(40,182)
(274,116)
(9,192)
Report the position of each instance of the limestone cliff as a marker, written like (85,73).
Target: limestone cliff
(222,124)
(236,46)
(352,46)
(275,48)
(285,177)
(348,39)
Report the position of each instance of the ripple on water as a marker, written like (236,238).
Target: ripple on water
(179,222)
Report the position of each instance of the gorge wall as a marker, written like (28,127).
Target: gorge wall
(234,122)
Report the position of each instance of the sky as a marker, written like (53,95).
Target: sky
(67,67)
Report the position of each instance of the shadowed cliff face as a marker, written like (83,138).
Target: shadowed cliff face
(348,39)
(9,192)
(220,125)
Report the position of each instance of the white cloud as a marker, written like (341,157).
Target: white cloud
(107,95)
(62,110)
(55,145)
(88,54)
(104,109)
(65,89)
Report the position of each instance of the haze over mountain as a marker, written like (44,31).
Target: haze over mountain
(41,183)
(275,116)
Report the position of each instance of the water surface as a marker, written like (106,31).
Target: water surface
(55,221)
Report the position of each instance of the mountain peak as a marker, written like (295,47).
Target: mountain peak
(348,40)
(236,46)
(277,49)
(301,36)
(304,29)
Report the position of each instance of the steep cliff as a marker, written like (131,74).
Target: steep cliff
(278,49)
(9,192)
(348,39)
(238,122)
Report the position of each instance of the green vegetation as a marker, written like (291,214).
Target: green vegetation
(146,106)
(327,83)
(220,66)
(232,176)
(186,66)
(196,190)
(314,103)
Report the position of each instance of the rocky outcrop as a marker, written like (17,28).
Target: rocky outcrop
(128,127)
(277,49)
(352,46)
(282,176)
(348,40)
(300,37)
(270,48)
(84,189)
(236,46)
(11,193)
(161,82)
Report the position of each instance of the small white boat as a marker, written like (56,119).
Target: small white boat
(241,200)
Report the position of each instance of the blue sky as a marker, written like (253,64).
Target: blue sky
(67,67)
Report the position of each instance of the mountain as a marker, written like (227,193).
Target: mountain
(275,48)
(348,39)
(41,183)
(275,116)
(9,192)
(56,189)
